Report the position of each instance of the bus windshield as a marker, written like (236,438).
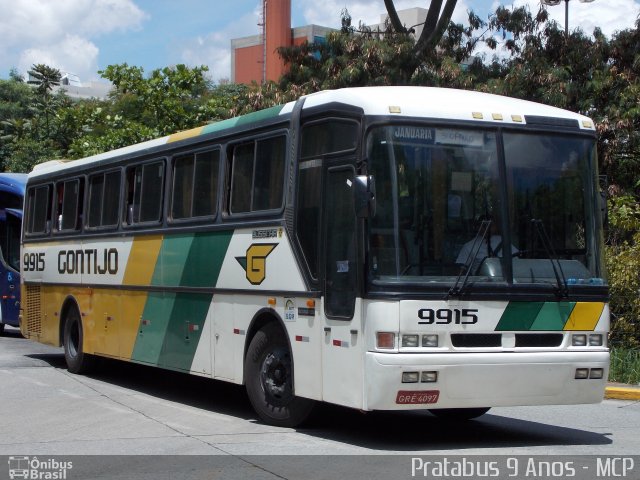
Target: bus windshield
(446,206)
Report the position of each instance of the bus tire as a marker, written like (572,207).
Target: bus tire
(1,328)
(458,414)
(77,360)
(269,380)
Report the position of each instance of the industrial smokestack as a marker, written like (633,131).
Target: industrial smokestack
(277,26)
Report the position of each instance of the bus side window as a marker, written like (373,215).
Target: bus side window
(104,199)
(257,175)
(144,193)
(195,185)
(69,196)
(39,210)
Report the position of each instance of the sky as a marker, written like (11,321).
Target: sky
(85,36)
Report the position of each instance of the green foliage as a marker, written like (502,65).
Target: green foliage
(28,152)
(625,366)
(44,77)
(168,100)
(623,264)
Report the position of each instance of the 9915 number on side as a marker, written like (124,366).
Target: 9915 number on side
(446,316)
(33,262)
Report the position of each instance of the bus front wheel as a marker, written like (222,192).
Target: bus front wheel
(268,377)
(457,414)
(77,360)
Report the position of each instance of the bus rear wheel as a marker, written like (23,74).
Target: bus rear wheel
(457,414)
(268,377)
(77,360)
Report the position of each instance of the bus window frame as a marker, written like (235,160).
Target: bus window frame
(124,191)
(28,214)
(87,195)
(79,210)
(171,185)
(228,174)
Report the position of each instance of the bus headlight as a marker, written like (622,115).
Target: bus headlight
(595,340)
(429,377)
(582,373)
(410,340)
(596,373)
(410,377)
(430,341)
(579,340)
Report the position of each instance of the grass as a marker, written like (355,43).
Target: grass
(625,366)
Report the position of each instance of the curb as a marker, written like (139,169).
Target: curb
(622,393)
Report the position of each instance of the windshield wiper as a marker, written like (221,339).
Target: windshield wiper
(563,290)
(469,261)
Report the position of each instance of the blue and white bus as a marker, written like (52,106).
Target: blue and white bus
(11,199)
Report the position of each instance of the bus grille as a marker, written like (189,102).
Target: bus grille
(539,339)
(476,340)
(32,309)
(523,340)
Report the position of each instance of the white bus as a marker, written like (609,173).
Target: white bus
(384,248)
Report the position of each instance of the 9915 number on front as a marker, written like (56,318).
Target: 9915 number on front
(446,316)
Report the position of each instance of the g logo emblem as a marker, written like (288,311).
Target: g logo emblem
(255,263)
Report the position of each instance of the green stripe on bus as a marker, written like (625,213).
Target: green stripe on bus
(519,316)
(188,315)
(243,120)
(204,262)
(172,260)
(553,316)
(153,328)
(526,316)
(170,329)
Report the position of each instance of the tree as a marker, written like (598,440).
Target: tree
(45,78)
(168,100)
(435,26)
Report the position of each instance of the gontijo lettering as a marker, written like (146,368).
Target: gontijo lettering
(88,261)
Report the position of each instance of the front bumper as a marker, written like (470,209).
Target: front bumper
(468,380)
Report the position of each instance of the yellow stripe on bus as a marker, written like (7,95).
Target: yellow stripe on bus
(585,316)
(142,260)
(176,137)
(132,307)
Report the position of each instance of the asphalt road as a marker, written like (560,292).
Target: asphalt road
(125,409)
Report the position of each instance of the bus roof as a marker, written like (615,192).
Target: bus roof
(424,102)
(13,182)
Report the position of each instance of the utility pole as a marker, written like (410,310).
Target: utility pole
(553,3)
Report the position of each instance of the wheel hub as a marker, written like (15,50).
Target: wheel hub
(276,375)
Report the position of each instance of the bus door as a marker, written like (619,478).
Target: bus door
(343,342)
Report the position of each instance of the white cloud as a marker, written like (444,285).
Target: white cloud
(327,13)
(214,49)
(71,54)
(61,34)
(610,16)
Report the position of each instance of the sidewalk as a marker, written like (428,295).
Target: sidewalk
(621,391)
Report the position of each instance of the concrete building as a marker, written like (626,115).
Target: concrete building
(255,58)
(77,90)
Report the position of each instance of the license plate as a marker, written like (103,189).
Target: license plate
(408,397)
